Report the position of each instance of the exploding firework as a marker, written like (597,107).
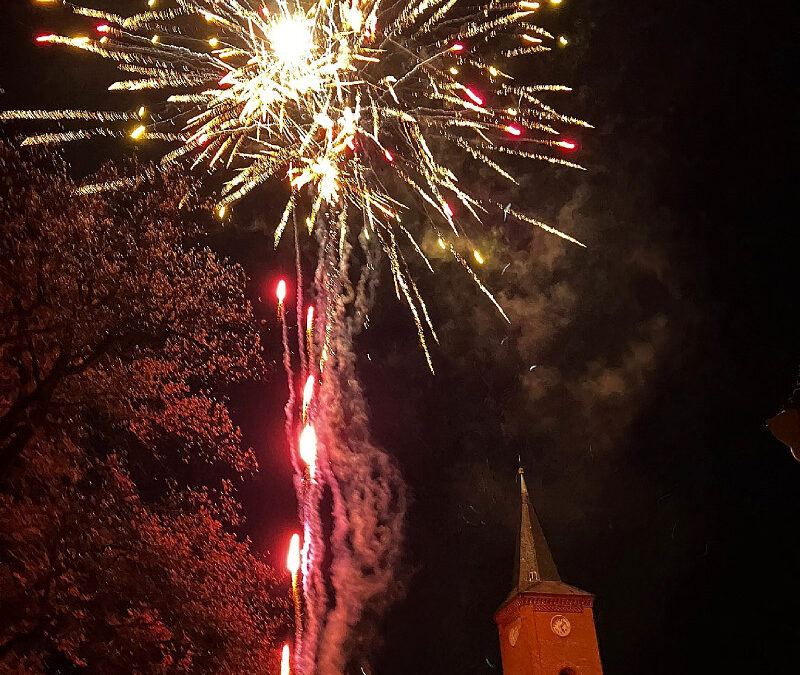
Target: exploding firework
(364,109)
(352,102)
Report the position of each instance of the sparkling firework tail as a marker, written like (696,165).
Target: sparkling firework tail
(309,495)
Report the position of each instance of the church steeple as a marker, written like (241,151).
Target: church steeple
(546,626)
(534,562)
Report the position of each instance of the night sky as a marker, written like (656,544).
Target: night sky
(634,381)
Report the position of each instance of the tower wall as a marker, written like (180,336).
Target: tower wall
(548,635)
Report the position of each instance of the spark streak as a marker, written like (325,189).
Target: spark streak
(293,565)
(308,393)
(280,290)
(285,660)
(308,449)
(293,557)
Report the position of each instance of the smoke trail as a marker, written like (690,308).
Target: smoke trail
(316,601)
(369,495)
(369,502)
(299,303)
(350,580)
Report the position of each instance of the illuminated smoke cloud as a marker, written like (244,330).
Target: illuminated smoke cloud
(369,501)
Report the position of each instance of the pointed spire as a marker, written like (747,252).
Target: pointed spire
(534,562)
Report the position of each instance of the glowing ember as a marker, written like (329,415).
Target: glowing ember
(293,558)
(308,448)
(285,660)
(280,291)
(308,393)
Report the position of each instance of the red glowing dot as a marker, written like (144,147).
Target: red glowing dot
(46,38)
(513,130)
(475,98)
(457,47)
(448,209)
(280,291)
(389,156)
(103,28)
(567,145)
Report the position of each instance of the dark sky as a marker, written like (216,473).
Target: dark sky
(659,352)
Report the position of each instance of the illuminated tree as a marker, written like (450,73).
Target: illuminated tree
(108,315)
(117,330)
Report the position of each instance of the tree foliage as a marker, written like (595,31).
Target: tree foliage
(117,333)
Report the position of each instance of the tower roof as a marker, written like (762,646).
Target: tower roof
(535,570)
(533,562)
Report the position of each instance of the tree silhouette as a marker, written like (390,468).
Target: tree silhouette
(117,333)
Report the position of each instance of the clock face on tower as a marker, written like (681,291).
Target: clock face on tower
(560,625)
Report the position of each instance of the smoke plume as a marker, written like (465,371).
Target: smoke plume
(352,552)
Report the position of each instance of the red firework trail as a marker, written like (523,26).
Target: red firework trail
(303,450)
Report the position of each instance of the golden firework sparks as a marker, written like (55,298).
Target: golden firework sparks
(346,100)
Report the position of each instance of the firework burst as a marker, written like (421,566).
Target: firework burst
(352,102)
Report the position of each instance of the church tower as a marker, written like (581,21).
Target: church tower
(546,627)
